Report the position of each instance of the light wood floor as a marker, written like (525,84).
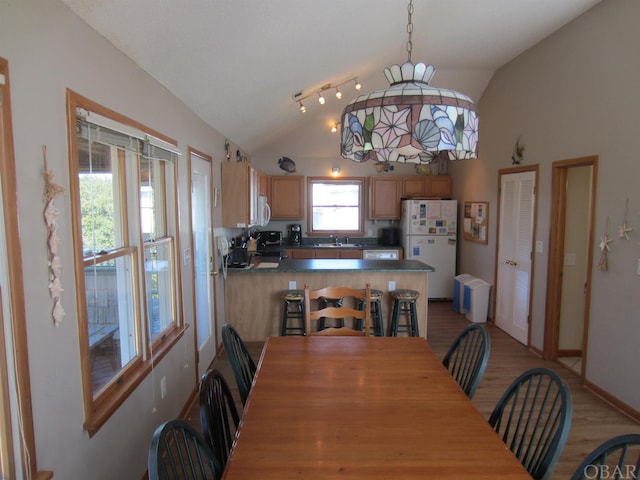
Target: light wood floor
(593,422)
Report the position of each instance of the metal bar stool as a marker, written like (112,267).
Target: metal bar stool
(404,304)
(293,309)
(376,313)
(330,302)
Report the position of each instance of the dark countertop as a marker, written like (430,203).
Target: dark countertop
(340,265)
(362,246)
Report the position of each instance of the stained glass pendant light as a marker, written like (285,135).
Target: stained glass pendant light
(410,121)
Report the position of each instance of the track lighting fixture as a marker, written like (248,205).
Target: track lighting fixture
(299,96)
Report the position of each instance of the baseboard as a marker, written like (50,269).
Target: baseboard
(569,353)
(613,401)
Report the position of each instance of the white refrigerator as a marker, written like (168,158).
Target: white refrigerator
(429,229)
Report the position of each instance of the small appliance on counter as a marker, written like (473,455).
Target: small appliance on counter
(295,234)
(269,238)
(389,236)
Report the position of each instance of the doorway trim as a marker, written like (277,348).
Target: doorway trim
(556,255)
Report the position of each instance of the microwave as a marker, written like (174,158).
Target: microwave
(269,238)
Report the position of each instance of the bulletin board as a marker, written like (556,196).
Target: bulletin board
(476,222)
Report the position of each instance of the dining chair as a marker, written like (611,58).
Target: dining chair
(533,418)
(617,458)
(218,414)
(177,451)
(336,312)
(467,357)
(244,368)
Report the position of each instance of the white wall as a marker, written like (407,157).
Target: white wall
(573,95)
(49,50)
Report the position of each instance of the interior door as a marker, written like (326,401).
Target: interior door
(203,260)
(515,253)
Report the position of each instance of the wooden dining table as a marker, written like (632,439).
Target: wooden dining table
(362,408)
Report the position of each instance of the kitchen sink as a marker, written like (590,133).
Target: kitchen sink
(337,245)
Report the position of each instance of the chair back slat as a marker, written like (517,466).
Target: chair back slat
(243,366)
(218,414)
(337,312)
(617,458)
(533,417)
(177,451)
(468,356)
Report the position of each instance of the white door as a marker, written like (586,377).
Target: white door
(515,250)
(203,263)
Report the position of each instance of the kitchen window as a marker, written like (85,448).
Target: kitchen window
(123,188)
(336,206)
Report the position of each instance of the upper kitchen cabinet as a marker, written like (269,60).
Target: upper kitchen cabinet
(242,184)
(384,197)
(286,197)
(426,186)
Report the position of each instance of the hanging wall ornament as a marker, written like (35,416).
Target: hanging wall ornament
(623,230)
(604,248)
(51,213)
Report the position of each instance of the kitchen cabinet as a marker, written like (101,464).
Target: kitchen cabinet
(426,186)
(330,253)
(286,197)
(241,186)
(384,197)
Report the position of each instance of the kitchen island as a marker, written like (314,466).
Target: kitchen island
(253,295)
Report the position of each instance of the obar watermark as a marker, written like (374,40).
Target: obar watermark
(602,472)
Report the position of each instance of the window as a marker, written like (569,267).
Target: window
(336,206)
(124,194)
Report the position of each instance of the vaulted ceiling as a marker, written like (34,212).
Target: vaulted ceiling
(239,63)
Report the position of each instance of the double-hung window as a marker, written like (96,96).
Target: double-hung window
(336,206)
(123,188)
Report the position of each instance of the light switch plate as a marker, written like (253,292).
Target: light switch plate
(392,285)
(292,285)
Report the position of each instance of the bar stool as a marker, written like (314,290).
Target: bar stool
(293,309)
(404,304)
(376,313)
(330,302)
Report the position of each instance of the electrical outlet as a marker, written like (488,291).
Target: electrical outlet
(392,285)
(538,246)
(163,387)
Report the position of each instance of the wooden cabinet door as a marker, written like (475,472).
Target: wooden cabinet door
(301,253)
(414,186)
(439,186)
(426,186)
(384,197)
(235,194)
(286,197)
(353,253)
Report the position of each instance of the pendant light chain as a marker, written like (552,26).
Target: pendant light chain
(410,29)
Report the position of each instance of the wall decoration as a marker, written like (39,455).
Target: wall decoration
(476,222)
(623,230)
(227,149)
(518,151)
(383,167)
(604,248)
(286,164)
(51,213)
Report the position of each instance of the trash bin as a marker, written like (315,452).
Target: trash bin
(476,300)
(458,290)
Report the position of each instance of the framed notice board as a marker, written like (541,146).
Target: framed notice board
(476,221)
